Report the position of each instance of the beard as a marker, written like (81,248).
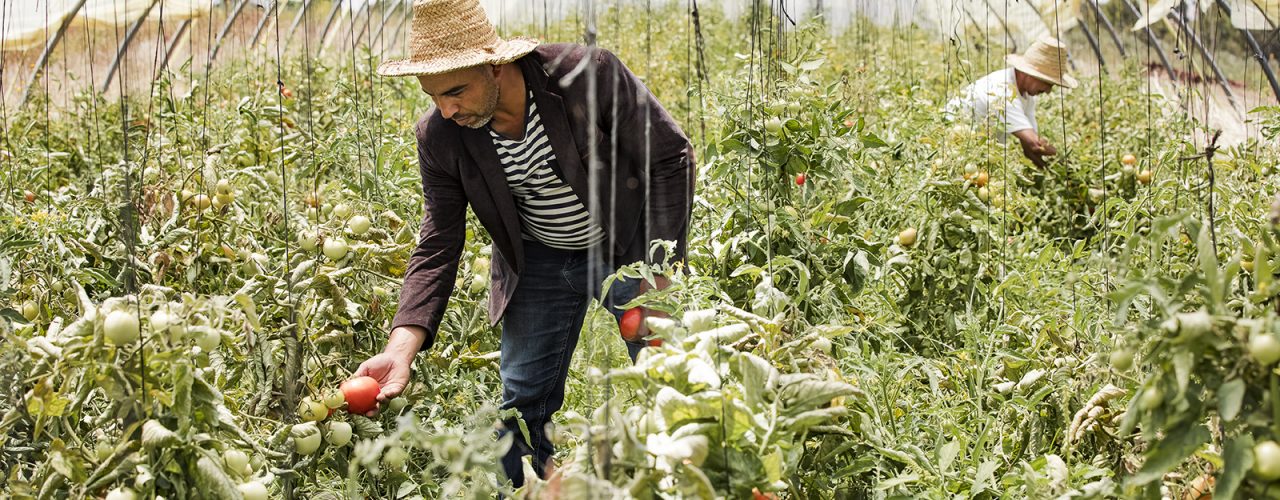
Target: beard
(490,106)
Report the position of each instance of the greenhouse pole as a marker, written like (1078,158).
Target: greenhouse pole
(1106,23)
(395,35)
(1151,38)
(363,26)
(328,24)
(1195,40)
(173,45)
(1093,43)
(385,17)
(124,45)
(226,27)
(296,21)
(48,50)
(262,23)
(1257,53)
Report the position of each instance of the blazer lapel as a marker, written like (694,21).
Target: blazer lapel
(555,122)
(480,145)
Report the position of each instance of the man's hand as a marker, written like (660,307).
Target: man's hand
(391,368)
(1034,147)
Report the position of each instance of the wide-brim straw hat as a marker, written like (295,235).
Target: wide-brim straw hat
(448,35)
(1045,60)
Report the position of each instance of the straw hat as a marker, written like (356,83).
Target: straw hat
(448,35)
(1044,60)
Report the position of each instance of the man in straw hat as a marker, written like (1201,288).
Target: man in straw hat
(1006,98)
(573,168)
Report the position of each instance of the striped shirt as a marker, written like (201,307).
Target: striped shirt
(550,212)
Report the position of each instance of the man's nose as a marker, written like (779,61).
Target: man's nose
(448,110)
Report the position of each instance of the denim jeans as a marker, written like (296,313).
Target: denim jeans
(540,329)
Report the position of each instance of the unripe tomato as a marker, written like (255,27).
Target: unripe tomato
(342,211)
(800,178)
(308,241)
(1266,460)
(1265,348)
(121,327)
(306,438)
(773,125)
(334,399)
(1129,160)
(312,411)
(339,434)
(1122,358)
(1247,265)
(359,225)
(394,457)
(984,194)
(981,179)
(201,202)
(29,196)
(209,340)
(223,199)
(970,170)
(1151,398)
(629,327)
(223,187)
(1127,170)
(253,490)
(335,249)
(122,493)
(30,310)
(361,394)
(1144,177)
(907,237)
(236,460)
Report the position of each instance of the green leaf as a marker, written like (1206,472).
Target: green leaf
(1238,457)
(947,455)
(213,481)
(1167,453)
(1230,396)
(871,141)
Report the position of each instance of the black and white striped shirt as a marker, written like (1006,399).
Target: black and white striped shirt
(550,212)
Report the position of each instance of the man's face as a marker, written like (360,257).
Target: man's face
(1031,85)
(467,96)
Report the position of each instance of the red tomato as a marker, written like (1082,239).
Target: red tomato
(361,394)
(630,325)
(800,177)
(655,343)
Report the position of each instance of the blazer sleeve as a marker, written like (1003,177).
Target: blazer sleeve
(433,266)
(671,164)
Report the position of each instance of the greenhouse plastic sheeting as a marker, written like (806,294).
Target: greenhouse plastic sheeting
(1022,22)
(1245,14)
(27,23)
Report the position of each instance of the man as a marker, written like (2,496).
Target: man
(1006,99)
(512,135)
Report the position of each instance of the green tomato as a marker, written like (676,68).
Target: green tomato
(342,211)
(312,411)
(1122,359)
(30,310)
(394,458)
(335,249)
(359,225)
(1266,460)
(1265,348)
(122,493)
(236,460)
(334,399)
(306,438)
(1151,398)
(339,433)
(209,339)
(253,490)
(308,241)
(121,327)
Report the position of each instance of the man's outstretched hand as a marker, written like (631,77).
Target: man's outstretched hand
(392,367)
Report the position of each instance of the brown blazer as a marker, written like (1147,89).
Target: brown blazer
(638,187)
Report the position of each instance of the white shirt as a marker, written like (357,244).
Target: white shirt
(995,98)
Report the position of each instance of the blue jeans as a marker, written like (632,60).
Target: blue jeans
(540,329)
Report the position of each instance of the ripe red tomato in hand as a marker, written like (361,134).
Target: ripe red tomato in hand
(361,394)
(630,324)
